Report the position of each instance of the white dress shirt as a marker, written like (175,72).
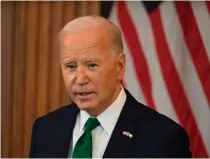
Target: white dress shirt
(102,133)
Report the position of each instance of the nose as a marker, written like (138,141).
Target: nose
(81,77)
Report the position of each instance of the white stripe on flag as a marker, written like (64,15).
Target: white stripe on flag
(142,24)
(186,70)
(130,77)
(202,17)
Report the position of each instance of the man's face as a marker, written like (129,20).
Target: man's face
(91,72)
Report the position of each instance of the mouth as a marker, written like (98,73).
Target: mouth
(84,94)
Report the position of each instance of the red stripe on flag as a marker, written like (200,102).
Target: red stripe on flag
(175,88)
(195,44)
(208,6)
(139,60)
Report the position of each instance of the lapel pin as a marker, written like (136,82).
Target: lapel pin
(128,134)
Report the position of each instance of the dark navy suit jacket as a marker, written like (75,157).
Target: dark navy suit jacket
(154,135)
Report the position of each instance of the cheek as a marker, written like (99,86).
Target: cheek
(105,79)
(67,81)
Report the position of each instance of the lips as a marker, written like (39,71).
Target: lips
(84,94)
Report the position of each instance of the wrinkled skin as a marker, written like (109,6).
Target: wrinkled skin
(90,69)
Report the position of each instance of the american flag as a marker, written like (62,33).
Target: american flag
(167,47)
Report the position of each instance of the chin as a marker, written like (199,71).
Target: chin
(84,105)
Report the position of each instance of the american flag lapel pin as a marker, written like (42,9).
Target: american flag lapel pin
(128,134)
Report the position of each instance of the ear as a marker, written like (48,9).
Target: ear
(121,66)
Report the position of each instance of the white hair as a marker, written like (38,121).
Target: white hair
(89,22)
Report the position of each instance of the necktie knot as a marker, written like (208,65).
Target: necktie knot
(91,124)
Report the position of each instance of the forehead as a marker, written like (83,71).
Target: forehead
(93,51)
(87,54)
(83,39)
(85,43)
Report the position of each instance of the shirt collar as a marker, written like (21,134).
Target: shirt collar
(109,117)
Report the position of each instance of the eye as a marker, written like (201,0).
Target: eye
(70,67)
(92,65)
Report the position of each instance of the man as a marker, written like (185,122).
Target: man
(104,119)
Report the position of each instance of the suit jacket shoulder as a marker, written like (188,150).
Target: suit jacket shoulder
(154,134)
(52,133)
(58,115)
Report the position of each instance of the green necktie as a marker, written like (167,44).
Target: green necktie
(83,147)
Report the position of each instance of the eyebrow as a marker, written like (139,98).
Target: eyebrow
(93,60)
(67,61)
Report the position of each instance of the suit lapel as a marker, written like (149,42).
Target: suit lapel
(64,129)
(120,144)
